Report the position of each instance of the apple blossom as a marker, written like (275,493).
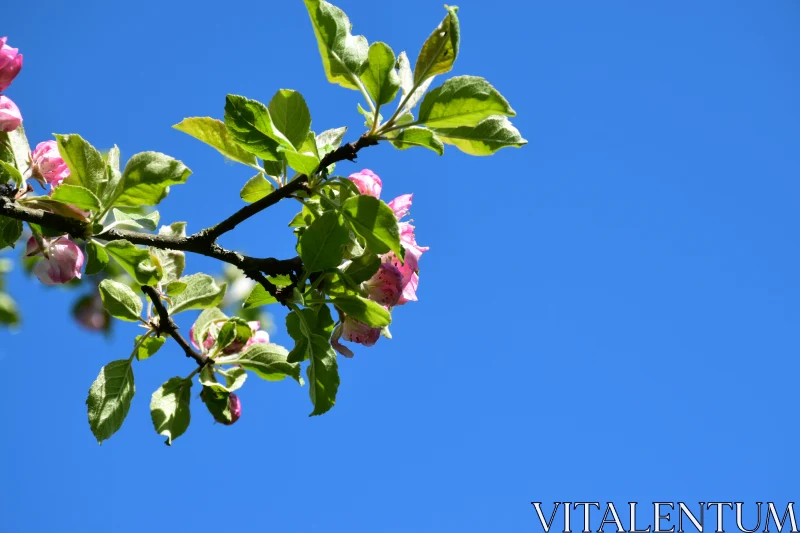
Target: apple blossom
(10,116)
(358,332)
(10,63)
(62,262)
(48,163)
(367,182)
(386,286)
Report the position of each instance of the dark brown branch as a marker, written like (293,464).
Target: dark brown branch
(167,326)
(345,152)
(72,226)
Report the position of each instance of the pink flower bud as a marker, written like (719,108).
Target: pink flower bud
(10,64)
(367,182)
(338,346)
(63,261)
(10,117)
(358,332)
(48,164)
(401,205)
(90,314)
(386,286)
(259,337)
(235,405)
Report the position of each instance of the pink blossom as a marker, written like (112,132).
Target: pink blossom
(367,182)
(10,64)
(63,261)
(409,269)
(210,338)
(10,116)
(338,346)
(90,314)
(385,287)
(358,332)
(235,405)
(48,164)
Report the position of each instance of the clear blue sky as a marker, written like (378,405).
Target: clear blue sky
(610,313)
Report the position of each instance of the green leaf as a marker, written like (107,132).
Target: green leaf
(344,55)
(169,408)
(147,178)
(12,172)
(14,149)
(363,268)
(321,244)
(440,49)
(375,222)
(135,221)
(330,140)
(112,175)
(304,163)
(218,404)
(486,138)
(250,125)
(301,324)
(10,231)
(148,347)
(120,301)
(370,313)
(204,321)
(415,136)
(380,77)
(135,261)
(110,398)
(323,374)
(201,292)
(256,188)
(76,196)
(462,101)
(369,116)
(234,378)
(97,258)
(8,310)
(259,297)
(235,329)
(172,262)
(86,165)
(214,133)
(268,361)
(174,288)
(290,115)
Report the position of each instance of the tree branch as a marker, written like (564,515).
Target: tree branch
(204,241)
(167,326)
(346,151)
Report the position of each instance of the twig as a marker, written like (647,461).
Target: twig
(167,326)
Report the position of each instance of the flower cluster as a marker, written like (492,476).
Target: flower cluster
(396,281)
(10,65)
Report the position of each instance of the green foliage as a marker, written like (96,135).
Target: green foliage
(10,232)
(290,115)
(204,321)
(169,408)
(171,262)
(367,311)
(440,49)
(86,165)
(375,222)
(380,77)
(97,258)
(147,178)
(135,261)
(9,314)
(201,292)
(77,196)
(256,188)
(485,138)
(462,101)
(363,267)
(321,244)
(344,55)
(323,374)
(304,163)
(120,301)
(132,221)
(415,136)
(329,140)
(9,172)
(267,361)
(214,133)
(110,398)
(250,125)
(146,347)
(234,378)
(14,149)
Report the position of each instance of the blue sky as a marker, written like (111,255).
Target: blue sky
(610,313)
